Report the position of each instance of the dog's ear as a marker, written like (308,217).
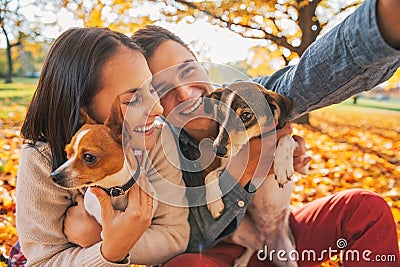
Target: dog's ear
(210,100)
(115,120)
(280,105)
(84,118)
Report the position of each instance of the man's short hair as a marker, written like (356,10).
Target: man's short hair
(150,37)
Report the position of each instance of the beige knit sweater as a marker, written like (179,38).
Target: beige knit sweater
(41,207)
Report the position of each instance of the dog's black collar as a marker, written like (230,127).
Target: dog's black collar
(120,190)
(278,127)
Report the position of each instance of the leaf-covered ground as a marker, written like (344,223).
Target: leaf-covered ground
(350,146)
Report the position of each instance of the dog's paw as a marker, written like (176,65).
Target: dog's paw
(283,240)
(287,263)
(239,263)
(244,259)
(216,208)
(214,194)
(283,172)
(283,176)
(283,162)
(92,205)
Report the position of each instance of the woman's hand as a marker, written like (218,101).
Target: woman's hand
(122,229)
(80,227)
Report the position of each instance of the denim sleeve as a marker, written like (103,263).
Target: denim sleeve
(351,58)
(206,231)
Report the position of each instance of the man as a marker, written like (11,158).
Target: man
(344,62)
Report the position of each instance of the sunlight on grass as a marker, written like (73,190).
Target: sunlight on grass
(14,97)
(372,103)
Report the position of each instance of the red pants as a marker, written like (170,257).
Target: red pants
(361,221)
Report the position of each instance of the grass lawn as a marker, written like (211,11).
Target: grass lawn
(15,95)
(21,90)
(371,103)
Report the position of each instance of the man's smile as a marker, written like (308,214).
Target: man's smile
(193,107)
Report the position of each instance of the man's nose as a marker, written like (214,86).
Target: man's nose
(183,92)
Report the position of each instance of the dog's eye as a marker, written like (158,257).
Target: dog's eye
(246,116)
(89,158)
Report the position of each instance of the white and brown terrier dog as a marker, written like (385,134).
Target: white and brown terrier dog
(96,158)
(244,110)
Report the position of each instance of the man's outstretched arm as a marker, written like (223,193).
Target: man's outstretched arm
(355,56)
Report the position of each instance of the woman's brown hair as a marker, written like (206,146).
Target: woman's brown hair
(70,78)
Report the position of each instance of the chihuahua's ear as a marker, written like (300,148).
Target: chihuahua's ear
(84,118)
(280,105)
(210,100)
(115,120)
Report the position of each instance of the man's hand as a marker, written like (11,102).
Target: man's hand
(299,159)
(256,158)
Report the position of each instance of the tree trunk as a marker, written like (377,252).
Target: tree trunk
(10,66)
(9,58)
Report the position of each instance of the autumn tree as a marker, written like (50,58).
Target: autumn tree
(120,15)
(290,24)
(287,26)
(9,19)
(22,30)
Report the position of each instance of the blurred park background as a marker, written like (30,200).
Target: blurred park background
(353,144)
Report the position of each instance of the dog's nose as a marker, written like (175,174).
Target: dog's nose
(219,150)
(57,176)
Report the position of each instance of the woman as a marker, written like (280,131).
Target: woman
(87,68)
